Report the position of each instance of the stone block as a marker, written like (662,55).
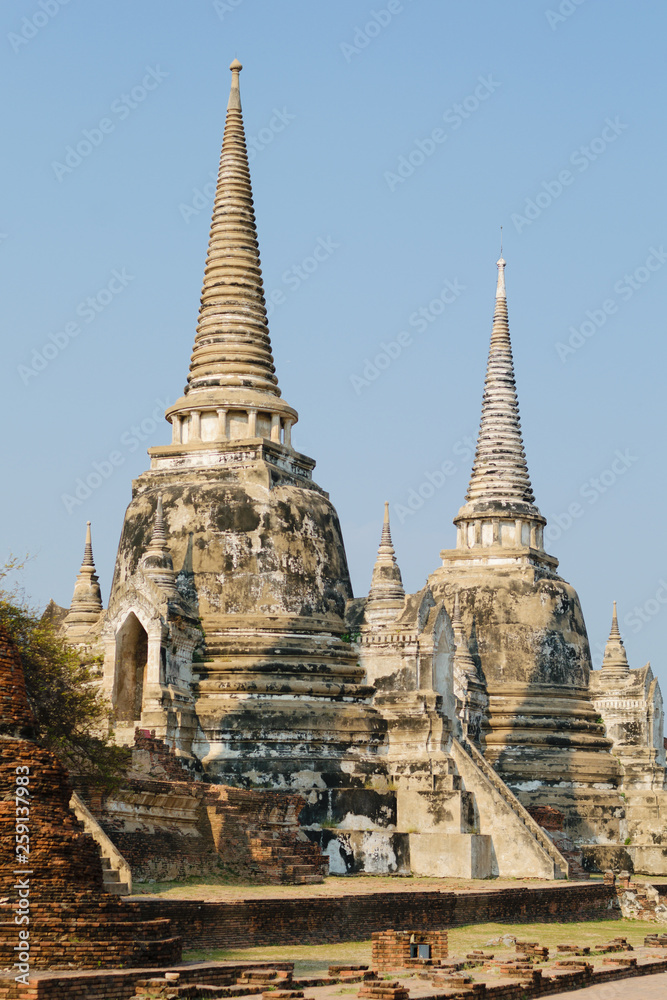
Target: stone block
(451,855)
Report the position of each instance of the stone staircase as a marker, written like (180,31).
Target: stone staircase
(116,871)
(535,834)
(112,882)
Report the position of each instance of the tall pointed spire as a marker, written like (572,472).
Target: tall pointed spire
(500,488)
(157,562)
(387,595)
(615,658)
(500,471)
(86,603)
(232,376)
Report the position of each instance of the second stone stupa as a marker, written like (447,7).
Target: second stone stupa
(543,734)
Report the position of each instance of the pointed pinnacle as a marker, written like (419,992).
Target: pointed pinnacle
(385,538)
(159,531)
(615,659)
(386,582)
(235,92)
(86,603)
(500,471)
(88,550)
(614,633)
(500,288)
(232,349)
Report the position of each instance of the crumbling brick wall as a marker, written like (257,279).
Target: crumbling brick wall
(66,918)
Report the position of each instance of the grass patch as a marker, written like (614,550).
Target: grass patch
(309,959)
(583,933)
(312,960)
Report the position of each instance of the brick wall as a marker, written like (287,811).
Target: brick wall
(260,922)
(59,897)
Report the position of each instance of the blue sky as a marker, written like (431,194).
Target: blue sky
(400,136)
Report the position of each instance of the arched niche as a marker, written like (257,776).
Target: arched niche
(130,669)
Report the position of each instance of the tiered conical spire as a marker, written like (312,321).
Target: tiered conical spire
(86,603)
(500,471)
(615,658)
(232,391)
(387,594)
(232,346)
(157,562)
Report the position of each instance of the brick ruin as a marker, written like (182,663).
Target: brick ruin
(57,895)
(169,824)
(393,950)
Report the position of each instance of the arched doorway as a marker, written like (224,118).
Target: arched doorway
(131,659)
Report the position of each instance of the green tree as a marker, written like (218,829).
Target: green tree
(72,715)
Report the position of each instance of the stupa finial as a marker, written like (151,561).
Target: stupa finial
(86,605)
(157,562)
(615,657)
(235,91)
(387,594)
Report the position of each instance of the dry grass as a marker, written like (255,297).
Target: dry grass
(315,959)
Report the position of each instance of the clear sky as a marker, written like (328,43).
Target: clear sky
(396,137)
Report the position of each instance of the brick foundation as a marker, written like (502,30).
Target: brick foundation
(313,920)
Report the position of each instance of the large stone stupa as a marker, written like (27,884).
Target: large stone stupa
(252,554)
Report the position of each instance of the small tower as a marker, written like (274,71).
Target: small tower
(86,606)
(386,596)
(157,562)
(615,661)
(630,702)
